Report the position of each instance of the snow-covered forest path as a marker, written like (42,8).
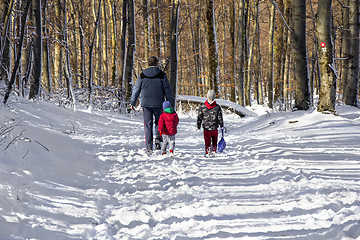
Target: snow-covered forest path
(278,178)
(282,176)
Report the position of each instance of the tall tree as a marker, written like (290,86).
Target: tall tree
(250,68)
(232,51)
(258,55)
(19,52)
(67,68)
(346,46)
(91,56)
(302,88)
(243,46)
(123,41)
(145,7)
(195,34)
(6,7)
(174,35)
(58,50)
(130,55)
(105,60)
(351,86)
(46,60)
(279,42)
(270,78)
(114,40)
(327,94)
(38,53)
(288,54)
(156,29)
(213,47)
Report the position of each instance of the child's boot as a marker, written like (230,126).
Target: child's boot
(172,153)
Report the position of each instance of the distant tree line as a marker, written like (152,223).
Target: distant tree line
(276,52)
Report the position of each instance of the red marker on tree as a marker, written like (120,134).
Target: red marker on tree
(322,44)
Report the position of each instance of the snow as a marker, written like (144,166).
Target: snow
(223,103)
(68,174)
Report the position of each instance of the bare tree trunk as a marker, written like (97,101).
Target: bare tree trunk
(232,52)
(213,48)
(279,43)
(250,69)
(156,29)
(58,51)
(19,52)
(28,59)
(174,35)
(128,75)
(243,16)
(114,41)
(68,74)
(46,62)
(7,8)
(98,75)
(122,61)
(258,70)
(91,54)
(105,47)
(46,53)
(146,29)
(270,78)
(327,94)
(287,61)
(82,46)
(302,88)
(346,46)
(37,18)
(195,33)
(351,88)
(316,65)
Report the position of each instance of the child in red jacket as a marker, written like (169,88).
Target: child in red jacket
(167,127)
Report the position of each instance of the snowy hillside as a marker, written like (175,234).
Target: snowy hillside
(81,175)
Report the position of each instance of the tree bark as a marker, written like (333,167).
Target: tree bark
(327,94)
(270,78)
(106,62)
(122,61)
(213,48)
(58,51)
(7,8)
(67,68)
(302,88)
(195,34)
(131,47)
(243,16)
(156,29)
(47,65)
(6,22)
(232,51)
(174,35)
(146,29)
(19,52)
(287,62)
(114,41)
(351,88)
(37,18)
(250,68)
(279,42)
(91,55)
(346,46)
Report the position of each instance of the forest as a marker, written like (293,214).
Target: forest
(279,53)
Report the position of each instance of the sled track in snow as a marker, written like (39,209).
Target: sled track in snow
(257,189)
